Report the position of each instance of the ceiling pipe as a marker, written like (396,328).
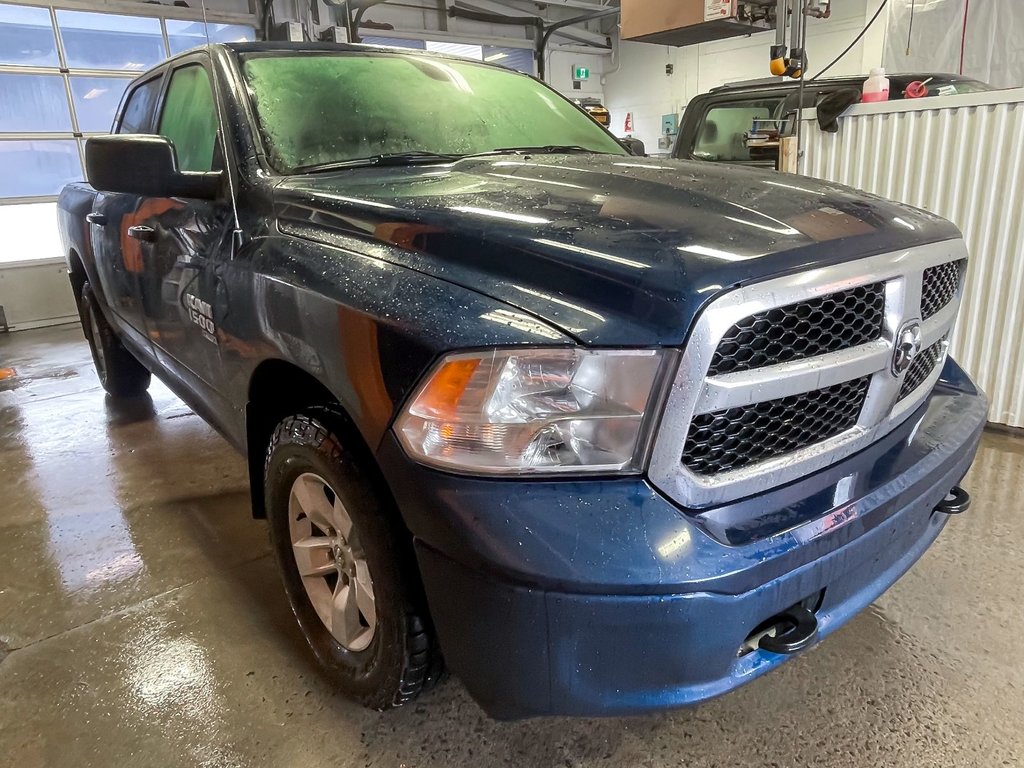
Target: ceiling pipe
(616,61)
(542,31)
(551,29)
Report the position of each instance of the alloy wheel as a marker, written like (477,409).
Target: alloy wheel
(331,562)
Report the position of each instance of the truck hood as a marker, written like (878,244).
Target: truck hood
(612,250)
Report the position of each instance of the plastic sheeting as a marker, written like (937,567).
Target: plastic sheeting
(992,50)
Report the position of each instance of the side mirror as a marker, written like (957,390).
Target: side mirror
(138,164)
(635,146)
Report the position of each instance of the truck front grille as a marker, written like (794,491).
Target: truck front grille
(810,328)
(783,378)
(737,437)
(941,284)
(922,367)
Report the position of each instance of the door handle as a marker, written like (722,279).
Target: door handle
(98,219)
(142,232)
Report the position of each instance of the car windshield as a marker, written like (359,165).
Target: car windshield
(322,109)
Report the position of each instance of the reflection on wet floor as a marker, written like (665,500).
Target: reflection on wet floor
(142,623)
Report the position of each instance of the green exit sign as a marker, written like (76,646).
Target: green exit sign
(580,73)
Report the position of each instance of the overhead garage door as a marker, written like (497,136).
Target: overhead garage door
(62,73)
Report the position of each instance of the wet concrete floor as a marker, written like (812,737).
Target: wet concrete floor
(142,623)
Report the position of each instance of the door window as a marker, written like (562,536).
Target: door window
(189,118)
(139,106)
(721,134)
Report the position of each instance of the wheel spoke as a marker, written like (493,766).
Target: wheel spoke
(313,556)
(341,520)
(363,586)
(345,624)
(309,492)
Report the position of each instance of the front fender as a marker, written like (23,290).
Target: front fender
(366,329)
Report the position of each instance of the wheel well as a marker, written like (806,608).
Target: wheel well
(77,274)
(279,389)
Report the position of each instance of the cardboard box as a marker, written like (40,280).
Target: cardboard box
(680,22)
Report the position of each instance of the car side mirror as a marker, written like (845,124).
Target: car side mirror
(635,146)
(138,164)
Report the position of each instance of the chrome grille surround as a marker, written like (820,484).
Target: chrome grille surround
(771,428)
(809,329)
(694,392)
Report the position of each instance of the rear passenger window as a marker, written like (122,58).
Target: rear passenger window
(139,107)
(721,134)
(189,118)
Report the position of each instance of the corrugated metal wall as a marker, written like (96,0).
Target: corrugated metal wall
(961,157)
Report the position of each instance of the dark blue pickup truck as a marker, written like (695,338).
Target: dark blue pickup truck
(613,434)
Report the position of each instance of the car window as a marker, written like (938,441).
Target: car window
(139,106)
(721,132)
(189,118)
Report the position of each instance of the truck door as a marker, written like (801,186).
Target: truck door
(118,256)
(184,242)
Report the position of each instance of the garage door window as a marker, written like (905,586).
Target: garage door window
(62,74)
(27,37)
(95,100)
(105,41)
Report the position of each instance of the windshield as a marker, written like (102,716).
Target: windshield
(316,109)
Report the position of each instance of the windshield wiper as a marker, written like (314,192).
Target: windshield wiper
(549,149)
(392,158)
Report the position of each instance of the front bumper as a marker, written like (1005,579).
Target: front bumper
(602,597)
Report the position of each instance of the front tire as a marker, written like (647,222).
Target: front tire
(345,570)
(119,372)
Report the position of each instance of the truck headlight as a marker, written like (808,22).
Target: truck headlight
(513,411)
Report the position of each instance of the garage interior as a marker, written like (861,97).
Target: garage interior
(142,619)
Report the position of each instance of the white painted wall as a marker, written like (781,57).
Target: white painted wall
(559,73)
(36,294)
(641,86)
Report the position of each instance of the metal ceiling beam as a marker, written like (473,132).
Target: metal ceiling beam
(587,5)
(572,33)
